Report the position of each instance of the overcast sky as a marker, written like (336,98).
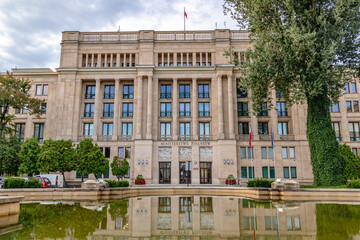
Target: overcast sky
(30,30)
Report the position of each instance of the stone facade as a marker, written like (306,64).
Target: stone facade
(169,103)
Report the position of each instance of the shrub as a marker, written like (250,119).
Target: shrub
(123,184)
(259,182)
(14,183)
(353,184)
(32,183)
(113,183)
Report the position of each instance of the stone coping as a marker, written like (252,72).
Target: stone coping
(7,199)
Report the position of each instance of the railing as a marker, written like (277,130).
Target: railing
(108,114)
(354,137)
(184,137)
(89,96)
(88,114)
(240,35)
(165,137)
(184,95)
(204,114)
(205,137)
(127,114)
(128,95)
(103,37)
(165,95)
(165,114)
(183,36)
(287,137)
(203,95)
(242,95)
(184,114)
(243,113)
(109,95)
(263,114)
(282,113)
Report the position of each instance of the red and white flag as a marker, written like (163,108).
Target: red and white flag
(185,14)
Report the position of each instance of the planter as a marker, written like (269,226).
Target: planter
(230,181)
(140,182)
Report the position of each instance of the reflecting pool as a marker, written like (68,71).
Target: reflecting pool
(183,217)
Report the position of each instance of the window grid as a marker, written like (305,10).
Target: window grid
(184,91)
(204,109)
(165,109)
(184,110)
(203,91)
(165,91)
(108,110)
(127,129)
(128,92)
(243,109)
(90,92)
(109,92)
(127,110)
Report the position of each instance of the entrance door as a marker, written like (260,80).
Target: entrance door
(165,172)
(185,172)
(205,172)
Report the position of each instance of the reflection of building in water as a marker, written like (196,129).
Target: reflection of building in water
(198,217)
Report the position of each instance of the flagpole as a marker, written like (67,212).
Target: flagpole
(273,149)
(184,21)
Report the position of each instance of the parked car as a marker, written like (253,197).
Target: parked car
(2,179)
(57,180)
(45,182)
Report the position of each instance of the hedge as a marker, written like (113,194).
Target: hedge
(32,183)
(353,184)
(14,183)
(113,183)
(259,182)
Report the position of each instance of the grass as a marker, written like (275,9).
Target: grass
(329,187)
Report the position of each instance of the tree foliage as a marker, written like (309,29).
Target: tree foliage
(9,155)
(306,50)
(119,167)
(29,155)
(352,167)
(14,93)
(90,158)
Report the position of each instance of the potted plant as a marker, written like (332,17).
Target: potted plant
(230,180)
(140,180)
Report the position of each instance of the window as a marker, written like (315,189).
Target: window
(106,152)
(90,92)
(165,109)
(184,110)
(281,109)
(39,131)
(353,87)
(204,109)
(288,152)
(346,88)
(38,90)
(45,90)
(124,152)
(286,172)
(165,129)
(43,108)
(334,108)
(241,93)
(282,127)
(246,151)
(204,129)
(293,172)
(263,110)
(89,110)
(242,109)
(251,172)
(184,91)
(279,94)
(265,171)
(109,92)
(263,128)
(243,128)
(352,106)
(291,152)
(203,91)
(263,152)
(354,131)
(108,110)
(127,109)
(25,109)
(127,129)
(184,129)
(88,129)
(284,152)
(243,172)
(20,131)
(165,91)
(355,151)
(128,92)
(272,172)
(107,129)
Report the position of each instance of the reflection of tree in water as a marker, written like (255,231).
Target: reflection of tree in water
(336,221)
(118,209)
(57,221)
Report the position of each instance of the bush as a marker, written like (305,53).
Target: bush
(32,183)
(113,183)
(353,184)
(14,183)
(259,182)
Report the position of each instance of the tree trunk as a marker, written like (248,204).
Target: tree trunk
(64,180)
(118,178)
(96,176)
(327,164)
(82,177)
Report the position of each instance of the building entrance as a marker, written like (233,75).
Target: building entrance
(185,172)
(205,172)
(165,172)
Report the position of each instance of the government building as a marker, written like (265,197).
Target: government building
(171,103)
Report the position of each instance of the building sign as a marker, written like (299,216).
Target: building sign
(185,143)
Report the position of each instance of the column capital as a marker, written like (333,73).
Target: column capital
(230,76)
(194,79)
(97,80)
(219,76)
(175,79)
(150,77)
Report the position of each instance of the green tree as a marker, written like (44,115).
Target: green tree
(9,155)
(306,50)
(57,156)
(119,167)
(29,156)
(14,93)
(352,163)
(90,158)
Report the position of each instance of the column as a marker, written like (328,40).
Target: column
(116,110)
(97,111)
(106,60)
(220,108)
(92,60)
(231,107)
(87,60)
(149,108)
(99,60)
(118,60)
(155,114)
(130,59)
(111,59)
(175,59)
(194,113)
(175,108)
(139,107)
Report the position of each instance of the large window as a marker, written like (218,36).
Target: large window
(336,127)
(124,152)
(334,108)
(164,174)
(350,87)
(89,110)
(185,129)
(88,129)
(39,131)
(241,93)
(165,129)
(263,128)
(165,91)
(281,109)
(242,109)
(90,92)
(204,109)
(38,90)
(109,92)
(263,110)
(354,131)
(127,110)
(108,110)
(246,152)
(107,129)
(203,91)
(288,152)
(204,129)
(41,90)
(20,131)
(165,109)
(267,170)
(127,129)
(184,110)
(128,92)
(184,91)
(283,128)
(243,128)
(352,106)
(267,152)
(286,172)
